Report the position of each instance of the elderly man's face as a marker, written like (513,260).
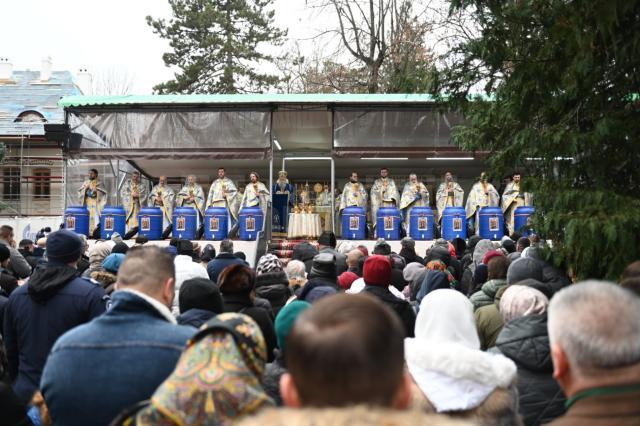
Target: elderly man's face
(413,178)
(220,173)
(191,179)
(162,180)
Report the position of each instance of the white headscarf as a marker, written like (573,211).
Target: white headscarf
(480,250)
(445,359)
(520,300)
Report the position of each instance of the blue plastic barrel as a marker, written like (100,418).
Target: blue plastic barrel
(185,222)
(112,219)
(354,223)
(251,219)
(216,223)
(491,223)
(521,220)
(421,223)
(150,222)
(388,223)
(454,223)
(76,219)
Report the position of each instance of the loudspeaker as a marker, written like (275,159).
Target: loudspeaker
(57,132)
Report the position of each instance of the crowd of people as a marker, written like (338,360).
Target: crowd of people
(470,332)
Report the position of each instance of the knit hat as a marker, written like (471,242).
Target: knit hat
(324,265)
(346,279)
(285,320)
(112,262)
(64,246)
(200,293)
(524,268)
(120,247)
(408,242)
(268,263)
(490,255)
(519,300)
(327,238)
(319,292)
(382,247)
(513,256)
(377,271)
(411,271)
(5,253)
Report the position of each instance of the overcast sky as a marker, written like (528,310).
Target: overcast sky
(108,35)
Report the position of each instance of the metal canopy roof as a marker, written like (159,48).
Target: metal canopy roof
(244,99)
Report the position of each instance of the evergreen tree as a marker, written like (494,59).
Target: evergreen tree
(216,44)
(561,80)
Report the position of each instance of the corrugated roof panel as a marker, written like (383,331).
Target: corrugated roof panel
(300,98)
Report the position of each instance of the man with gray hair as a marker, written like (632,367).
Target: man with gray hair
(222,260)
(594,331)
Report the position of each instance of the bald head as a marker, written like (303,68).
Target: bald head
(597,325)
(147,269)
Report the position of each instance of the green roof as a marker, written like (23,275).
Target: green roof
(299,98)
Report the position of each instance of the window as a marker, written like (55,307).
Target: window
(11,183)
(42,183)
(30,117)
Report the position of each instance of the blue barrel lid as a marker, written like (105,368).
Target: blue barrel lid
(490,210)
(213,209)
(184,210)
(251,210)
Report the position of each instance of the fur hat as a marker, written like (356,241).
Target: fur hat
(324,265)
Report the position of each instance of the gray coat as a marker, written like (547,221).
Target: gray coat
(18,264)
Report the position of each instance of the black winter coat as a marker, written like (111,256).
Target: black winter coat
(273,286)
(401,307)
(242,303)
(525,340)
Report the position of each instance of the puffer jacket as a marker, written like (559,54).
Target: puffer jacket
(487,295)
(525,341)
(273,286)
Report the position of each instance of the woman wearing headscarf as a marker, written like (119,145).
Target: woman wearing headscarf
(479,251)
(98,253)
(272,283)
(217,379)
(451,374)
(437,277)
(525,340)
(109,274)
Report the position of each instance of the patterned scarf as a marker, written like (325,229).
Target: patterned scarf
(216,380)
(439,265)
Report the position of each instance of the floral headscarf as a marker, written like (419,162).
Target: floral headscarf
(268,263)
(439,265)
(216,380)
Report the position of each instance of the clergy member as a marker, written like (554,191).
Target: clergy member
(353,194)
(192,195)
(414,194)
(163,196)
(449,194)
(133,196)
(223,193)
(483,194)
(512,198)
(283,200)
(255,194)
(93,196)
(383,194)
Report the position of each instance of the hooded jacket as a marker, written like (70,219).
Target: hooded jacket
(55,300)
(487,295)
(273,286)
(525,341)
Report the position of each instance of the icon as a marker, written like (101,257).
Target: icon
(457,224)
(494,223)
(109,223)
(145,223)
(423,224)
(214,224)
(71,222)
(181,223)
(354,223)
